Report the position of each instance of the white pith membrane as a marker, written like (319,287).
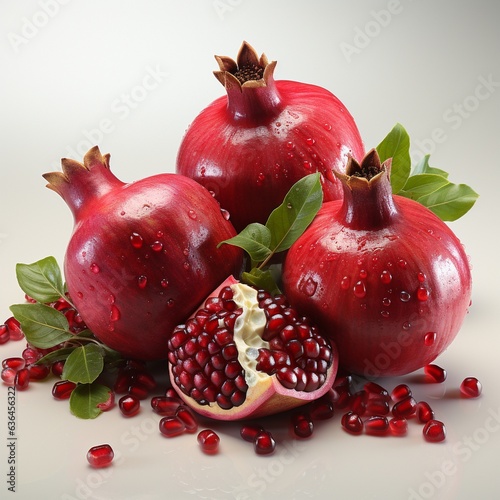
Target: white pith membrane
(265,394)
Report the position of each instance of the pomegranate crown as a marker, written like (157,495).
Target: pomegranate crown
(93,157)
(249,70)
(369,168)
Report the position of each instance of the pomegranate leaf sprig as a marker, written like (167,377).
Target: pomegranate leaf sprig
(48,329)
(282,228)
(427,185)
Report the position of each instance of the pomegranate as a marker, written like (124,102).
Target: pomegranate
(246,354)
(257,141)
(378,272)
(143,255)
(100,456)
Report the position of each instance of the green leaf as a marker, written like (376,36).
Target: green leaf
(261,279)
(42,325)
(422,184)
(396,145)
(423,167)
(57,355)
(451,201)
(41,280)
(84,364)
(85,398)
(300,205)
(255,239)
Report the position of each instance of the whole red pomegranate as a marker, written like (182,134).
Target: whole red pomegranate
(381,274)
(251,146)
(246,353)
(143,255)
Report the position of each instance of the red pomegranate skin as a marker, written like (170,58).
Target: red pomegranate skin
(143,255)
(379,277)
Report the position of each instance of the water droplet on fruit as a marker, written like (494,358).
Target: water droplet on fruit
(422,293)
(136,240)
(111,298)
(289,206)
(404,296)
(384,314)
(157,246)
(142,281)
(421,277)
(386,301)
(290,145)
(363,273)
(79,295)
(170,302)
(406,325)
(310,141)
(309,287)
(359,289)
(385,277)
(186,265)
(192,215)
(345,283)
(114,314)
(327,126)
(164,283)
(307,165)
(430,338)
(225,214)
(260,179)
(402,263)
(95,268)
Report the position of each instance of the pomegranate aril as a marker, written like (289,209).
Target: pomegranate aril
(287,378)
(31,355)
(14,363)
(376,426)
(405,408)
(342,397)
(8,375)
(471,387)
(424,412)
(100,456)
(138,390)
(145,379)
(352,423)
(376,391)
(57,368)
(14,329)
(129,405)
(38,372)
(62,389)
(398,426)
(377,407)
(323,408)
(208,441)
(400,392)
(358,402)
(165,405)
(264,443)
(250,432)
(4,334)
(187,417)
(435,373)
(22,379)
(434,431)
(302,425)
(172,426)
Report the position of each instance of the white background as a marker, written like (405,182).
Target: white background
(66,69)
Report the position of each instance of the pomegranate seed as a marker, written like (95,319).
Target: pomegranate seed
(424,412)
(471,387)
(4,334)
(8,375)
(171,426)
(108,404)
(187,417)
(129,405)
(322,410)
(352,423)
(22,379)
(398,426)
(435,373)
(264,443)
(139,391)
(63,389)
(31,355)
(146,379)
(377,407)
(405,408)
(14,328)
(434,431)
(38,372)
(165,405)
(342,397)
(122,382)
(100,456)
(400,392)
(15,363)
(358,402)
(377,391)
(172,393)
(57,368)
(302,425)
(250,432)
(376,426)
(208,441)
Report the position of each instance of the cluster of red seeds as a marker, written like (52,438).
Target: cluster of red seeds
(204,356)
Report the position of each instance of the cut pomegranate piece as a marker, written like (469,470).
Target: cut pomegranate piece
(208,441)
(434,431)
(246,354)
(100,456)
(471,387)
